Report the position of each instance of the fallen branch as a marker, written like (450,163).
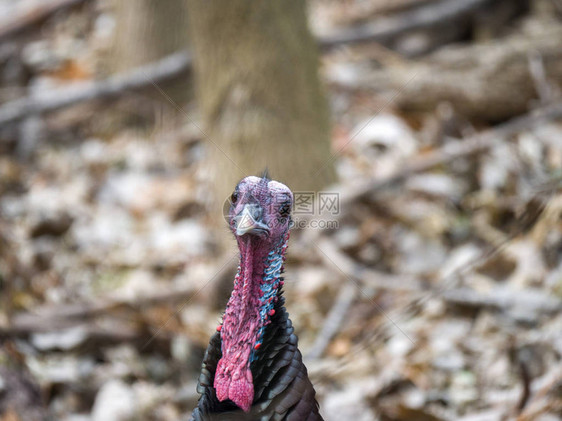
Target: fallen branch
(55,99)
(356,13)
(334,319)
(477,79)
(451,151)
(71,336)
(505,299)
(12,25)
(51,318)
(383,30)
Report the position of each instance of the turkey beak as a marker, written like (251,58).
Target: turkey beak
(250,221)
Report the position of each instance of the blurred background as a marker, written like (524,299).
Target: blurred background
(430,289)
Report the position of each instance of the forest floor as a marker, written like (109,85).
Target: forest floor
(434,291)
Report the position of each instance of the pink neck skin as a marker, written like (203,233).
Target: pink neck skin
(241,325)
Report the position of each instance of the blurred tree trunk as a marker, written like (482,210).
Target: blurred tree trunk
(256,69)
(147,30)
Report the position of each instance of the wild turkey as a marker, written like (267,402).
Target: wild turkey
(253,369)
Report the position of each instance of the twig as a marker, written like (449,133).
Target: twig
(522,358)
(12,25)
(451,151)
(385,29)
(55,99)
(538,73)
(83,333)
(371,278)
(334,319)
(545,395)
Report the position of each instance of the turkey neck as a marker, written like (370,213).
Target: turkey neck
(248,312)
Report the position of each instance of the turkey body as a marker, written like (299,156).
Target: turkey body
(253,369)
(283,390)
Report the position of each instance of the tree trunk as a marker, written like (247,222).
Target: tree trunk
(256,69)
(148,30)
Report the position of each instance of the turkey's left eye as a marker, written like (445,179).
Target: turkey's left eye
(285,209)
(234,197)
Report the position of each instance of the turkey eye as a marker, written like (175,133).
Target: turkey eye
(234,197)
(285,209)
